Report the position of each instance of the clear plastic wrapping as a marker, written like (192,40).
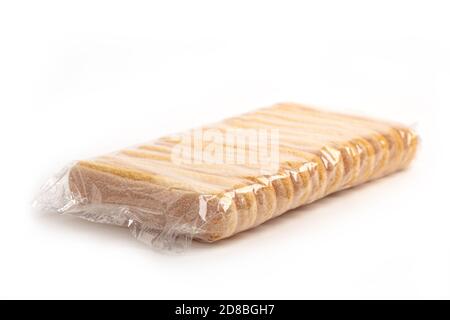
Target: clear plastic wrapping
(213,182)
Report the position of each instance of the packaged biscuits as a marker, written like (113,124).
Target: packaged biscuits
(212,182)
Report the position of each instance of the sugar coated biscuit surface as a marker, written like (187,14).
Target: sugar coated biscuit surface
(213,182)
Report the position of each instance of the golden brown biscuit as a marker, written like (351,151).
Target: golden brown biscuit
(320,152)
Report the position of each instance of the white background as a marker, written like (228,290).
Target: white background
(81,78)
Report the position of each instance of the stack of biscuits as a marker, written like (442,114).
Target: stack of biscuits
(317,152)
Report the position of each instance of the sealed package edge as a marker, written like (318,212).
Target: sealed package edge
(212,182)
